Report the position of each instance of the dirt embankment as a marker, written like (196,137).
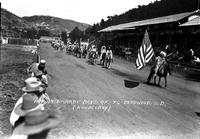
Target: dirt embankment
(13,63)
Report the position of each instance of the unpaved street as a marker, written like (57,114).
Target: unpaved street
(96,102)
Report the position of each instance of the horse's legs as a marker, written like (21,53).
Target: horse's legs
(165,81)
(104,62)
(159,81)
(109,63)
(154,79)
(149,77)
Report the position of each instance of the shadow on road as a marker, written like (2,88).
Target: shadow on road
(130,84)
(152,84)
(132,77)
(198,114)
(90,63)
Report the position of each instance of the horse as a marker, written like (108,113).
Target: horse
(163,71)
(84,53)
(102,59)
(108,59)
(62,47)
(56,46)
(93,56)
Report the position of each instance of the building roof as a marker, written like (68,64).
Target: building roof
(158,20)
(115,28)
(193,22)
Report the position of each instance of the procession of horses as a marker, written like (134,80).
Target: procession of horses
(102,57)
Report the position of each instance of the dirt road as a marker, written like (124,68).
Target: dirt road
(98,103)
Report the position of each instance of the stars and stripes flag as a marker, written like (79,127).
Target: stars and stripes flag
(145,52)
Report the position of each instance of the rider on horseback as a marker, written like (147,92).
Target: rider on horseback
(109,57)
(103,55)
(160,60)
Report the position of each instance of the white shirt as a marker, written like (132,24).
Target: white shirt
(44,79)
(13,116)
(14,136)
(109,51)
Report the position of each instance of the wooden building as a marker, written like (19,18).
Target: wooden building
(177,32)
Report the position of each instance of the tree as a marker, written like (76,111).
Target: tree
(76,34)
(44,32)
(64,37)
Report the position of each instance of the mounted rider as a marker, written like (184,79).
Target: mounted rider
(93,50)
(160,60)
(109,53)
(109,57)
(103,54)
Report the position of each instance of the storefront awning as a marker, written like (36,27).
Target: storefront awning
(193,22)
(159,20)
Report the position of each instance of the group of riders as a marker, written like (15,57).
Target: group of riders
(29,117)
(91,52)
(105,56)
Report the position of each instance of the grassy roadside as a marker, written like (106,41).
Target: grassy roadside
(14,61)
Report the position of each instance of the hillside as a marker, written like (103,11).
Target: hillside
(13,25)
(55,24)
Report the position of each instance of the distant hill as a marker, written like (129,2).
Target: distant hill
(12,25)
(55,24)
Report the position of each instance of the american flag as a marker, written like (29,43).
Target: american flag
(145,52)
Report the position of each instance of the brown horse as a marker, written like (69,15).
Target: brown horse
(163,71)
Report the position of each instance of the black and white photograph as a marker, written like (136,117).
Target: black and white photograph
(100,69)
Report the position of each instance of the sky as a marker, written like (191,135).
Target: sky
(85,11)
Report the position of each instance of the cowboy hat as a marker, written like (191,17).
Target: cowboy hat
(36,122)
(163,53)
(32,85)
(28,104)
(42,61)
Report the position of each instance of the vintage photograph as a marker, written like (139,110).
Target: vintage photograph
(100,69)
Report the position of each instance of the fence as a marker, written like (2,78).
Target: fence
(22,41)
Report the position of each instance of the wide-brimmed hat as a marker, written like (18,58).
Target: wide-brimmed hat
(163,53)
(42,61)
(29,104)
(32,85)
(103,47)
(36,122)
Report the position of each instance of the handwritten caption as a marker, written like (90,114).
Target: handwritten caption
(103,105)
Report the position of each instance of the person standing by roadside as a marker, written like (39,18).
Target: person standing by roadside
(33,87)
(37,122)
(37,66)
